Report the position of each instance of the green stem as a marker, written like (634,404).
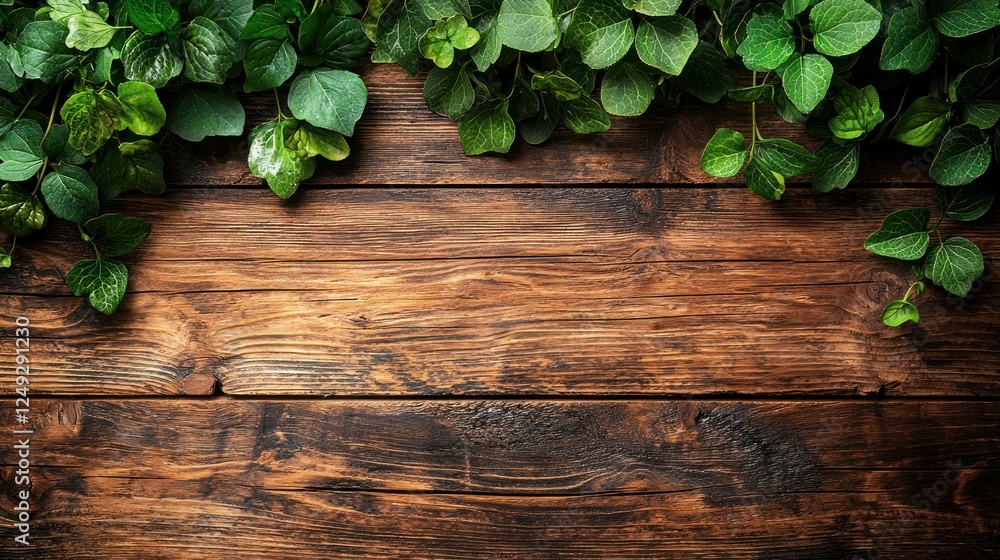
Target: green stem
(12,245)
(41,175)
(753,117)
(277,101)
(909,290)
(52,113)
(24,109)
(316,4)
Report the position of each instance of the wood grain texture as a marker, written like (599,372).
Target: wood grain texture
(529,292)
(399,141)
(502,479)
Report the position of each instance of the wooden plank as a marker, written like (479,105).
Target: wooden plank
(399,141)
(509,479)
(469,292)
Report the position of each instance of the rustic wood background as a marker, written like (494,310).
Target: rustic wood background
(680,370)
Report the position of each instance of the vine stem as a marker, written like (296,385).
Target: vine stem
(316,4)
(753,117)
(277,101)
(52,113)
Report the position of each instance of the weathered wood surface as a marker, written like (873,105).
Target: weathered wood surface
(399,141)
(529,292)
(506,479)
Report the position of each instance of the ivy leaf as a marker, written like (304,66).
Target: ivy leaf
(627,89)
(983,114)
(5,261)
(911,43)
(448,91)
(271,159)
(964,155)
(339,41)
(954,265)
(561,86)
(768,43)
(266,23)
(899,312)
(310,141)
(842,27)
(959,18)
(290,9)
(116,235)
(836,165)
(978,82)
(21,151)
(442,9)
(20,211)
(537,129)
(104,280)
(151,58)
(230,15)
(857,110)
(398,25)
(146,115)
(268,63)
(71,194)
(60,10)
(765,182)
(706,75)
(527,25)
(153,16)
(208,51)
(42,53)
(654,7)
(487,50)
(87,30)
(792,8)
(903,235)
(806,79)
(92,116)
(785,108)
(755,93)
(583,115)
(724,154)
(116,171)
(965,203)
(921,123)
(331,99)
(666,42)
(602,31)
(487,128)
(200,111)
(524,102)
(783,157)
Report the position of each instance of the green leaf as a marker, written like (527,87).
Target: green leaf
(448,91)
(783,157)
(268,63)
(331,99)
(903,235)
(842,27)
(806,79)
(230,15)
(792,8)
(766,183)
(5,261)
(602,31)
(42,53)
(978,82)
(271,159)
(954,265)
(441,9)
(965,203)
(21,151)
(899,312)
(964,155)
(487,128)
(151,59)
(87,30)
(785,108)
(440,42)
(92,116)
(290,9)
(71,194)
(921,123)
(561,86)
(959,18)
(583,115)
(115,172)
(666,42)
(487,50)
(61,10)
(20,211)
(309,141)
(983,114)
(654,7)
(527,25)
(769,43)
(208,51)
(755,93)
(524,102)
(627,89)
(397,25)
(857,110)
(706,75)
(836,165)
(115,236)
(339,41)
(266,23)
(912,42)
(104,280)
(203,111)
(724,154)
(153,16)
(146,115)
